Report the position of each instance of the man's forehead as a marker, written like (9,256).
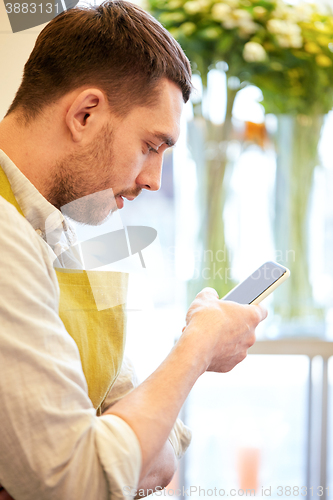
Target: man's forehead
(167,113)
(162,119)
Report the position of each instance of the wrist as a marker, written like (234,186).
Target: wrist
(196,347)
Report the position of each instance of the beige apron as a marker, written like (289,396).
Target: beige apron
(99,334)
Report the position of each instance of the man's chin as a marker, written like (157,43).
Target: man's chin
(93,209)
(90,217)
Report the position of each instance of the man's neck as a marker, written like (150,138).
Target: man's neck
(26,146)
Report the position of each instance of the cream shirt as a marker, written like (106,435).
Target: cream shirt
(52,444)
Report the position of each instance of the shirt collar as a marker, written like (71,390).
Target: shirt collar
(45,218)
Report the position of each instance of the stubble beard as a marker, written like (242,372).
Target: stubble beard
(80,187)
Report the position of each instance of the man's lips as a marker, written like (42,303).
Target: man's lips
(120,200)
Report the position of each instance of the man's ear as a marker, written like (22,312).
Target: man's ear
(85,113)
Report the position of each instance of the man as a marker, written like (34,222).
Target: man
(100,102)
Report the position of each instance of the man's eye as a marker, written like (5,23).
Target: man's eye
(151,149)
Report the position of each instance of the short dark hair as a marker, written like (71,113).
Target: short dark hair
(116,46)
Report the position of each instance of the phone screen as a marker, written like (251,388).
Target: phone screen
(247,291)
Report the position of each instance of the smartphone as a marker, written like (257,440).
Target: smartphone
(260,284)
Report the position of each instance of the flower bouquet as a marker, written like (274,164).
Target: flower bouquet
(286,51)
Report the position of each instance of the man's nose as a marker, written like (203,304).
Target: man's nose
(150,175)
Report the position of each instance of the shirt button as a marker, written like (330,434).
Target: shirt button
(39,232)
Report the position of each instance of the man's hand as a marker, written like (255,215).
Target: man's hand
(217,336)
(225,329)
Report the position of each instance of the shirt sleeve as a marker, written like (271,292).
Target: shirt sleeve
(126,381)
(180,436)
(52,444)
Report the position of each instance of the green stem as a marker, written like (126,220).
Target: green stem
(292,214)
(218,263)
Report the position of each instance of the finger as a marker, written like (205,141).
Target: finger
(252,339)
(262,312)
(209,291)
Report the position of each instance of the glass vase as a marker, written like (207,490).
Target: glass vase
(297,141)
(209,144)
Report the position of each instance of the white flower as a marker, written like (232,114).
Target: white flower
(247,27)
(197,6)
(281,11)
(259,11)
(286,12)
(301,12)
(232,3)
(205,3)
(254,52)
(286,42)
(276,26)
(192,7)
(242,14)
(304,12)
(288,34)
(221,11)
(237,19)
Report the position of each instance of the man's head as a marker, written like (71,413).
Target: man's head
(107,153)
(116,46)
(100,102)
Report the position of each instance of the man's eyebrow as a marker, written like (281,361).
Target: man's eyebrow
(167,139)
